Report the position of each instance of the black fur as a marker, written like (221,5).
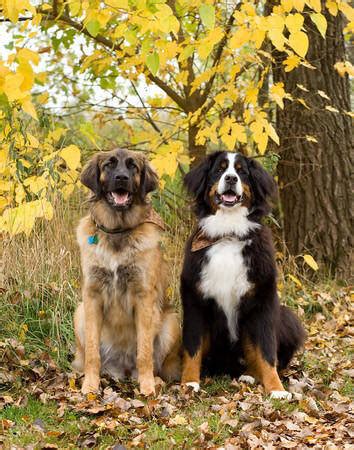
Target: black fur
(272,328)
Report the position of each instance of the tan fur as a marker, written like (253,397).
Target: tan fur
(124,326)
(260,369)
(192,364)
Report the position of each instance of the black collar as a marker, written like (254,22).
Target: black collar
(112,231)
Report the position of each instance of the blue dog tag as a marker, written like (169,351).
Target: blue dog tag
(92,240)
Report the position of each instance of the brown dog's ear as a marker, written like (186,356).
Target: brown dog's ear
(149,180)
(90,176)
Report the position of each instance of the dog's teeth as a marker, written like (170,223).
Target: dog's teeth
(120,199)
(281,395)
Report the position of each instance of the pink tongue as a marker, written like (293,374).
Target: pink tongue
(229,197)
(120,199)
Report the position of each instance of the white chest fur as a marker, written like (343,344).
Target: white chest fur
(224,278)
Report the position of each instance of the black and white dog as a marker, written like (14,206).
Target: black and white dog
(233,322)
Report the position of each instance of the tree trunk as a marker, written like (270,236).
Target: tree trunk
(314,178)
(197,152)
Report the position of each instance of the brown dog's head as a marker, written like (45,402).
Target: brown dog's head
(121,177)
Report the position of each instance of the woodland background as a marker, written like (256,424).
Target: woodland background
(175,79)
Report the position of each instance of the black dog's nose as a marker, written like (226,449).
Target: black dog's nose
(231,179)
(121,176)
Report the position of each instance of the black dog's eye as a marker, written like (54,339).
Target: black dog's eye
(241,170)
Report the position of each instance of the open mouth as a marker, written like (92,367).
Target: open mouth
(230,198)
(119,198)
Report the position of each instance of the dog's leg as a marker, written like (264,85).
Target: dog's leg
(93,327)
(194,342)
(259,366)
(170,338)
(79,323)
(145,342)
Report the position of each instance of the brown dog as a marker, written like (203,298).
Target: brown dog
(125,325)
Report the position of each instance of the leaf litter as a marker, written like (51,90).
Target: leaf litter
(225,414)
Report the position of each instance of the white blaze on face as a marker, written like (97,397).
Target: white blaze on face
(230,171)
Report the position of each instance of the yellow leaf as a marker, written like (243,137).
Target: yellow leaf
(29,108)
(25,54)
(277,38)
(240,37)
(25,69)
(331,109)
(332,7)
(36,184)
(251,95)
(67,190)
(343,67)
(314,4)
(311,138)
(71,155)
(277,93)
(321,23)
(178,420)
(299,42)
(299,4)
(294,22)
(273,134)
(310,262)
(119,4)
(295,280)
(291,62)
(12,87)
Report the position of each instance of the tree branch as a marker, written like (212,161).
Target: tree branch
(181,102)
(147,114)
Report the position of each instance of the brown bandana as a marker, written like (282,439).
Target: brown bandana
(200,241)
(154,218)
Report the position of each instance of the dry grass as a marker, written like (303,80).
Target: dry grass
(40,277)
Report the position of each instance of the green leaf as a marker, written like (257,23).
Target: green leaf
(207,15)
(93,27)
(153,63)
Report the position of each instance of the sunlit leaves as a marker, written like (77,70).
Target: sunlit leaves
(153,62)
(277,93)
(93,27)
(71,155)
(291,62)
(321,23)
(207,15)
(299,42)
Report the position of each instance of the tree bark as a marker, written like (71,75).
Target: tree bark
(315,178)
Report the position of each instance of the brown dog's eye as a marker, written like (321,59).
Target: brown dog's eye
(131,164)
(110,163)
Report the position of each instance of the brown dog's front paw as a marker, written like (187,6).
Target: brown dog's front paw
(147,386)
(90,384)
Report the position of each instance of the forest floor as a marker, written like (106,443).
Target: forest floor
(41,405)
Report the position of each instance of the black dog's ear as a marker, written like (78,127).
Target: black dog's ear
(90,176)
(195,180)
(149,180)
(262,182)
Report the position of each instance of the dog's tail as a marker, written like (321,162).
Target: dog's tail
(290,338)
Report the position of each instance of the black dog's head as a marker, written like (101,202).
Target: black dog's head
(225,180)
(121,177)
